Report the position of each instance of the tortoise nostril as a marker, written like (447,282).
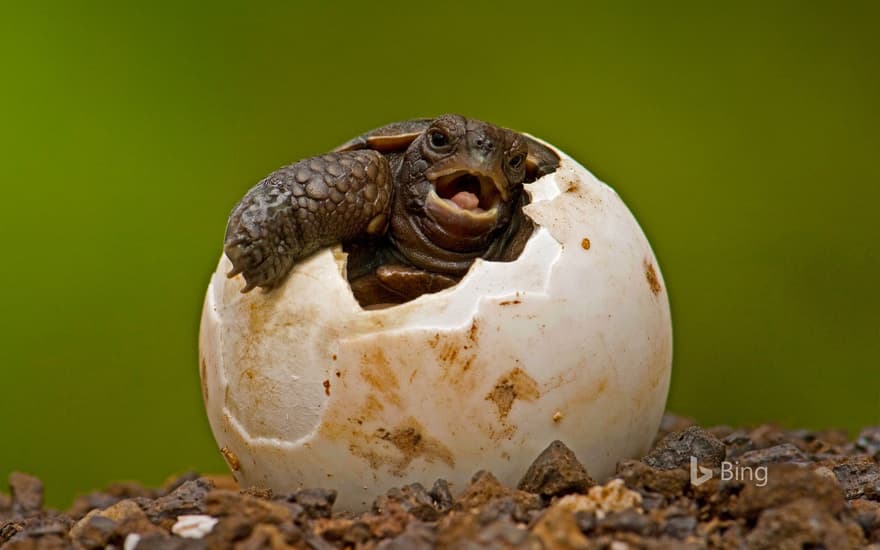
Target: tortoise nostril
(484,144)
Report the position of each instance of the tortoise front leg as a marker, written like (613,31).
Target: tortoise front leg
(300,208)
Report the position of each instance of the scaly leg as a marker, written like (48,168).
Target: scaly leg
(316,202)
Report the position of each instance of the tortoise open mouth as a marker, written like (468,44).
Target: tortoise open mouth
(464,202)
(467,190)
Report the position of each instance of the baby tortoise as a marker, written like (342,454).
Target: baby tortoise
(414,204)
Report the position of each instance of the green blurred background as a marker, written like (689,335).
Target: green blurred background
(744,136)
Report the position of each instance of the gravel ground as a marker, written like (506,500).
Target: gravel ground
(795,489)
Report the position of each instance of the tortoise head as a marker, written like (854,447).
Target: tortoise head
(459,184)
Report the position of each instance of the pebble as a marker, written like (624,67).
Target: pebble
(556,472)
(194,526)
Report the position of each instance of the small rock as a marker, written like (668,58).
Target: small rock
(859,476)
(314,542)
(673,423)
(317,503)
(414,500)
(503,534)
(786,483)
(737,442)
(10,529)
(679,527)
(651,500)
(767,435)
(676,449)
(229,529)
(441,495)
(560,526)
(563,524)
(803,523)
(390,523)
(108,497)
(187,499)
(509,506)
(43,542)
(638,475)
(611,497)
(867,514)
(96,528)
(93,531)
(253,510)
(163,541)
(625,521)
(357,534)
(586,521)
(193,526)
(777,454)
(556,472)
(417,536)
(868,441)
(99,526)
(721,432)
(131,541)
(27,494)
(484,488)
(264,536)
(174,482)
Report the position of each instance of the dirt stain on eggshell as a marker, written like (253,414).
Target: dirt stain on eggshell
(377,372)
(395,448)
(449,352)
(231,459)
(456,355)
(364,428)
(582,394)
(568,180)
(659,371)
(598,389)
(203,371)
(434,340)
(410,439)
(591,393)
(472,333)
(513,385)
(257,315)
(653,279)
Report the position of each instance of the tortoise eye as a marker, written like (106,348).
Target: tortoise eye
(516,161)
(438,139)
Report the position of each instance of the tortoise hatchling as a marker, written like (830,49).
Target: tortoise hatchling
(415,203)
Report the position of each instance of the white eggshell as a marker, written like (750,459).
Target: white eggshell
(572,341)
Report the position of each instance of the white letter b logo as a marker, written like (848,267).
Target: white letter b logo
(705,474)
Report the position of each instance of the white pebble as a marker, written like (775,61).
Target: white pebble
(131,541)
(193,527)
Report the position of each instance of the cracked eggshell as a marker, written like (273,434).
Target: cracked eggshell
(572,341)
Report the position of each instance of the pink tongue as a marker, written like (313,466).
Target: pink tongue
(465,200)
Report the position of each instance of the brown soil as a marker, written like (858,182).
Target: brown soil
(821,490)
